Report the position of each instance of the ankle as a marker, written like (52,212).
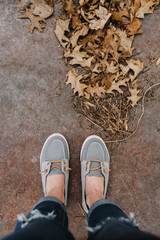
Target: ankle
(94,189)
(55,185)
(90,199)
(56,193)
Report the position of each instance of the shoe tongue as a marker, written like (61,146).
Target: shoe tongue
(55,170)
(97,172)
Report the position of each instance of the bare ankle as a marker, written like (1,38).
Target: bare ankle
(90,199)
(57,194)
(55,186)
(94,189)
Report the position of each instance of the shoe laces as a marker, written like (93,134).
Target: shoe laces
(58,165)
(95,167)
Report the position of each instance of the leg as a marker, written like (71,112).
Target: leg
(106,221)
(47,220)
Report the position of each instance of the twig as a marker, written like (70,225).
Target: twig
(146,70)
(143,101)
(152,61)
(60,93)
(92,121)
(136,54)
(54,90)
(62,88)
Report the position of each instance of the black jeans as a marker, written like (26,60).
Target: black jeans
(48,221)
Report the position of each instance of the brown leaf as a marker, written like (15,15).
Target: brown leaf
(108,83)
(68,6)
(36,21)
(134,98)
(125,43)
(50,2)
(75,20)
(41,8)
(147,6)
(116,86)
(136,66)
(23,4)
(79,57)
(158,61)
(111,67)
(99,91)
(83,2)
(103,15)
(134,27)
(74,80)
(137,4)
(119,16)
(81,31)
(61,28)
(111,44)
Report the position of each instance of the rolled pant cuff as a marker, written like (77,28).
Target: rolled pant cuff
(52,199)
(36,213)
(98,203)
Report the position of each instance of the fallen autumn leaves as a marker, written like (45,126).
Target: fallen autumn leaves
(97,36)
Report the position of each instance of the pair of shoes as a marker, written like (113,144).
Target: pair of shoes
(94,159)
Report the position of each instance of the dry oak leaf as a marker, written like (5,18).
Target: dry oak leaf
(50,2)
(36,21)
(119,16)
(77,33)
(136,66)
(97,68)
(134,27)
(112,67)
(107,81)
(83,2)
(111,44)
(95,38)
(75,20)
(134,98)
(147,6)
(61,28)
(22,4)
(41,8)
(103,15)
(137,4)
(86,63)
(88,16)
(116,86)
(79,58)
(99,91)
(125,43)
(74,80)
(158,61)
(68,6)
(124,69)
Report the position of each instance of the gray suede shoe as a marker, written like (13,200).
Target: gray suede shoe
(94,162)
(54,159)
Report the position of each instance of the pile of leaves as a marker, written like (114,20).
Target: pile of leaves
(97,40)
